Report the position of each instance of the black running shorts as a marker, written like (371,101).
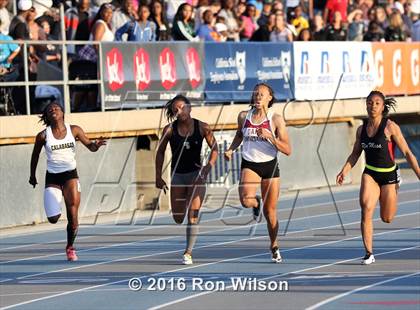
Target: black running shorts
(60,178)
(385,178)
(266,170)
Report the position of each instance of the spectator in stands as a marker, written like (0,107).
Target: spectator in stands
(334,6)
(221,28)
(374,33)
(265,13)
(202,6)
(52,53)
(305,35)
(101,26)
(356,26)
(299,21)
(416,27)
(263,32)
(207,32)
(8,52)
(277,6)
(124,14)
(381,17)
(77,22)
(406,17)
(36,33)
(336,31)
(318,29)
(395,31)
(19,30)
(229,15)
(4,17)
(142,30)
(101,31)
(183,26)
(258,4)
(158,16)
(280,32)
(248,22)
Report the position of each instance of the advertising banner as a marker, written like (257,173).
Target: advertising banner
(233,69)
(319,66)
(397,67)
(150,72)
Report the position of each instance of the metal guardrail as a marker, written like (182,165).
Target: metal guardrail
(65,82)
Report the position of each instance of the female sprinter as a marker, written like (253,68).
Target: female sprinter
(380,180)
(59,140)
(185,136)
(264,135)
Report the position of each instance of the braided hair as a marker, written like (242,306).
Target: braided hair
(44,116)
(270,90)
(389,103)
(170,115)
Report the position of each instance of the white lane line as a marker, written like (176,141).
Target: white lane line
(326,301)
(164,238)
(214,263)
(174,251)
(174,237)
(277,276)
(159,226)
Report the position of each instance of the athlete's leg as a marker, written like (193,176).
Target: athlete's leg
(369,196)
(53,197)
(195,197)
(270,195)
(178,202)
(388,202)
(250,181)
(71,193)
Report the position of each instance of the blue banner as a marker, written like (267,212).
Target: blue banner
(233,69)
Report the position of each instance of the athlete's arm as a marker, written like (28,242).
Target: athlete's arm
(80,135)
(237,140)
(281,138)
(160,156)
(39,143)
(396,135)
(212,143)
(352,159)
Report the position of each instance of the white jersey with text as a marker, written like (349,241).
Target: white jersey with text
(60,153)
(257,149)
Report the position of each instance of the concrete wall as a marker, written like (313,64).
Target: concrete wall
(120,176)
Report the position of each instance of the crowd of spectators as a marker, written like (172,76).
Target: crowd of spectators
(194,20)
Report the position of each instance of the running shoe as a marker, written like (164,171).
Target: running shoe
(187,259)
(256,212)
(276,257)
(71,254)
(368,259)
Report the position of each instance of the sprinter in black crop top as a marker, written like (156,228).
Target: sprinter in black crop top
(185,136)
(378,137)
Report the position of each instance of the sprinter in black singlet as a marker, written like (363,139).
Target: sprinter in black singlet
(185,136)
(378,137)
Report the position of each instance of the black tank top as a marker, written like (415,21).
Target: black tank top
(186,151)
(379,152)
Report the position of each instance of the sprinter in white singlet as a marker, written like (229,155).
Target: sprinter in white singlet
(59,140)
(263,133)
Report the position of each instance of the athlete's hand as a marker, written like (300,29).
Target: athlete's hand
(161,184)
(228,155)
(33,181)
(264,133)
(340,178)
(100,142)
(202,175)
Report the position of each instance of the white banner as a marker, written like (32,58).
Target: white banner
(319,65)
